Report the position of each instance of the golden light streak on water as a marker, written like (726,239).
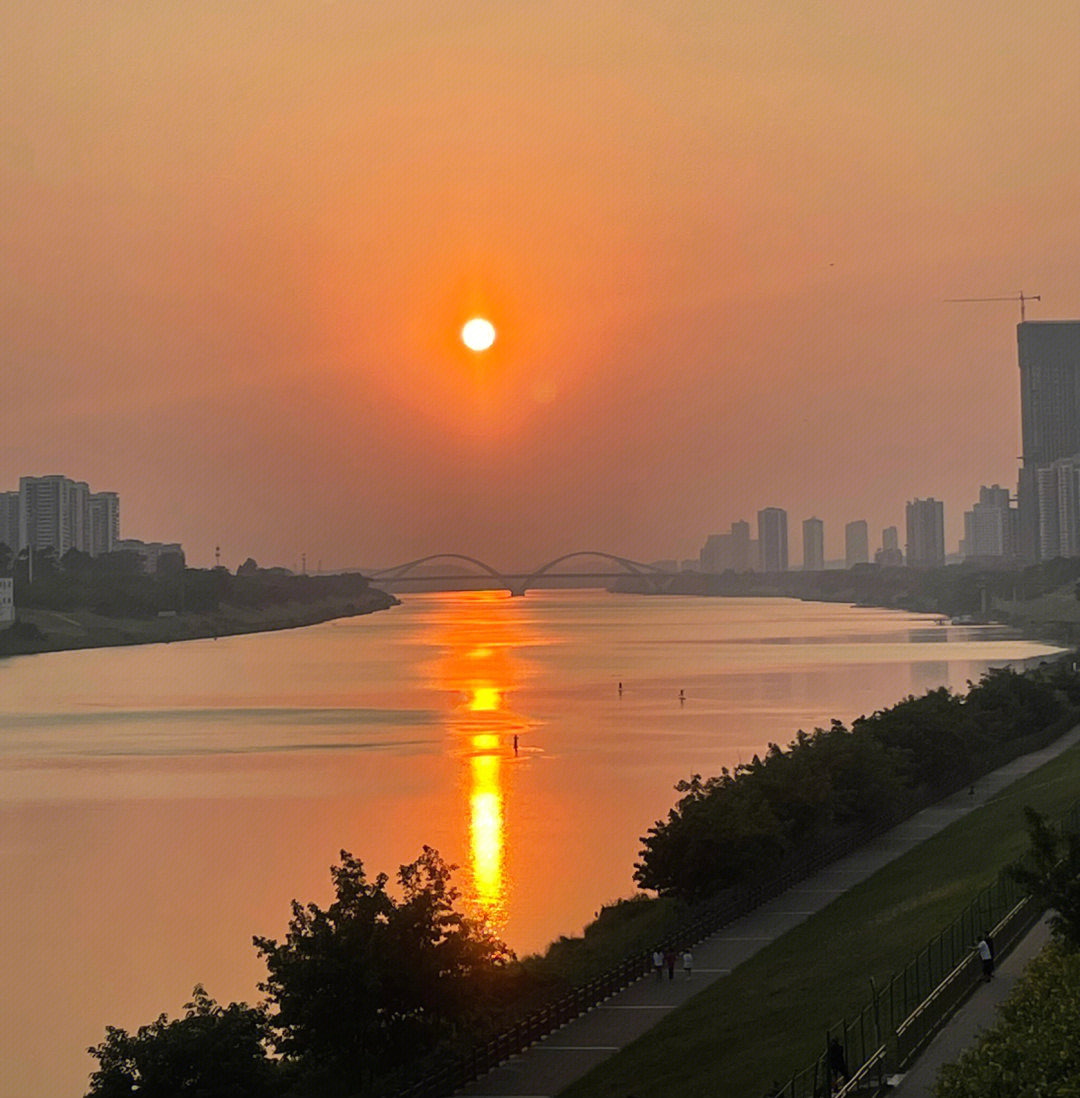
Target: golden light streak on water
(486,832)
(484,698)
(479,668)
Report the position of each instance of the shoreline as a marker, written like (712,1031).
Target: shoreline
(71,630)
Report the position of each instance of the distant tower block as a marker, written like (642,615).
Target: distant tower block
(925,533)
(856,543)
(773,539)
(813,536)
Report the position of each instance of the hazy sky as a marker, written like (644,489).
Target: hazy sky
(238,240)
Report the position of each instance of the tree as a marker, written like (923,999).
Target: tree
(212,1052)
(1050,873)
(371,983)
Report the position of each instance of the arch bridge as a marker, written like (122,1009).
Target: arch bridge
(517,583)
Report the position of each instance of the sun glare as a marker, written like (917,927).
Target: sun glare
(478,334)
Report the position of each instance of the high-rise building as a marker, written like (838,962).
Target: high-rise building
(856,543)
(727,551)
(989,527)
(1048,530)
(1057,504)
(925,533)
(773,539)
(58,513)
(890,555)
(711,556)
(45,513)
(813,545)
(1049,356)
(741,558)
(7,601)
(9,520)
(104,519)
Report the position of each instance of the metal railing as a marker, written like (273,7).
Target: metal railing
(516,1037)
(905,1013)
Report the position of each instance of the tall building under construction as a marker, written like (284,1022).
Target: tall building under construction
(1049,356)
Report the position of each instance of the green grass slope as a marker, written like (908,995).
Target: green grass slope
(768,1018)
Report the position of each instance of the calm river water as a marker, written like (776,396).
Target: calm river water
(161,804)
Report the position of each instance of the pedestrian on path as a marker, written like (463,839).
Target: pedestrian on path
(669,960)
(986,955)
(658,964)
(837,1061)
(687,962)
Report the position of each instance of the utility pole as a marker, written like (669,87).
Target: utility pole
(1021,297)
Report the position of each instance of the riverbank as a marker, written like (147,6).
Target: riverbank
(273,752)
(40,630)
(766,1019)
(1040,601)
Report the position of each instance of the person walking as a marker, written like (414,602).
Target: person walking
(837,1061)
(669,960)
(986,956)
(687,962)
(658,964)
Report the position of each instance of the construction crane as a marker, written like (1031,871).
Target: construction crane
(1021,297)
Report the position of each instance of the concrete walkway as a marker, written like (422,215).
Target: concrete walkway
(553,1063)
(978,1013)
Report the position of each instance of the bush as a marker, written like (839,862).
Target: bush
(1032,1049)
(835,783)
(212,1052)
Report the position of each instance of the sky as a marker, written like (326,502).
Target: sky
(238,241)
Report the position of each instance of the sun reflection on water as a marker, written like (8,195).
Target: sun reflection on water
(486,832)
(479,669)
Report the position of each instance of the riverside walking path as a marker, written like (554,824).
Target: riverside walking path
(556,1061)
(978,1013)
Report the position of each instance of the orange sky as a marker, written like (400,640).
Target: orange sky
(237,242)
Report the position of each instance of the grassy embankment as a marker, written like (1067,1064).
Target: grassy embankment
(80,628)
(768,1018)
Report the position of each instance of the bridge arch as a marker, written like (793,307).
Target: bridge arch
(635,568)
(399,571)
(518,583)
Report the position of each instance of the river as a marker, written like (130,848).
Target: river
(161,804)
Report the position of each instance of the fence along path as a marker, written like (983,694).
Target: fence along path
(890,1033)
(596,1021)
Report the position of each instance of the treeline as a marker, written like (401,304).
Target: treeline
(836,783)
(954,589)
(116,585)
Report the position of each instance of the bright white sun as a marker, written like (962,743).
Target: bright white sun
(478,334)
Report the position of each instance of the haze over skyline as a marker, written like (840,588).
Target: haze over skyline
(239,241)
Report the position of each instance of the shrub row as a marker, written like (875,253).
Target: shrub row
(744,824)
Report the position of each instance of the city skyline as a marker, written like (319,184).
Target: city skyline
(240,244)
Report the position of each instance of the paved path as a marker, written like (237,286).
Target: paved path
(979,1012)
(552,1064)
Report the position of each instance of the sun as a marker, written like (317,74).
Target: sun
(478,334)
